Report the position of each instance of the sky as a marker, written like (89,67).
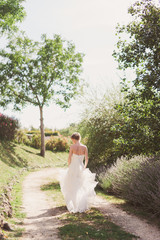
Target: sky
(90,24)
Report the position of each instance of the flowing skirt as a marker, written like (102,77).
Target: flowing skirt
(77,185)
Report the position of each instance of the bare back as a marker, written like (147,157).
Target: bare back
(78,149)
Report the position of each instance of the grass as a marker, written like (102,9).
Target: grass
(14,157)
(53,190)
(32,157)
(91,225)
(18,215)
(85,226)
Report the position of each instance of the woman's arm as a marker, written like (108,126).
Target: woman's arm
(70,155)
(86,157)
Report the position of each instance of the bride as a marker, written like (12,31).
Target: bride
(78,182)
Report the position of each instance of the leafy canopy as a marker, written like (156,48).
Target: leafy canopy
(142,51)
(38,72)
(11,11)
(140,132)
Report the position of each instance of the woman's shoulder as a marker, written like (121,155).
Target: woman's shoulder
(84,146)
(81,145)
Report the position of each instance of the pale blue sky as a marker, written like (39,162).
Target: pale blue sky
(90,24)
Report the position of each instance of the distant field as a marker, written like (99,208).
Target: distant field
(13,157)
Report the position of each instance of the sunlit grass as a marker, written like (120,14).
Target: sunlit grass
(85,226)
(53,190)
(111,198)
(14,157)
(33,158)
(91,225)
(18,215)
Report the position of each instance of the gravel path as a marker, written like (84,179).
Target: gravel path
(42,221)
(128,222)
(42,215)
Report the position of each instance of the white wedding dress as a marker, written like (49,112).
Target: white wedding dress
(77,185)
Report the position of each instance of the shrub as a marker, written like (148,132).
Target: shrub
(60,144)
(33,132)
(47,133)
(136,180)
(50,133)
(21,137)
(8,127)
(68,131)
(36,141)
(98,129)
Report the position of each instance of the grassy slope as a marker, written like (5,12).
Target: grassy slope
(13,157)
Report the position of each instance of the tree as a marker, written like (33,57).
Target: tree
(40,72)
(141,52)
(11,11)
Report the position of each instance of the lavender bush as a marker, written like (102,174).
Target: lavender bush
(136,180)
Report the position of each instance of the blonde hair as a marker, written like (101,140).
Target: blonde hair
(76,136)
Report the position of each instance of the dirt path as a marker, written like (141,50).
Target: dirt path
(42,216)
(42,221)
(128,222)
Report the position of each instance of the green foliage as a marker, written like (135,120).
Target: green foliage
(8,127)
(91,225)
(21,137)
(142,51)
(38,72)
(53,189)
(50,133)
(58,144)
(11,11)
(98,129)
(88,225)
(47,133)
(119,173)
(136,180)
(15,156)
(68,131)
(18,215)
(36,141)
(99,136)
(53,142)
(140,131)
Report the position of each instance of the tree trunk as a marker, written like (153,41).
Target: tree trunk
(42,133)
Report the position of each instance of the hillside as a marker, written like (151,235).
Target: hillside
(14,157)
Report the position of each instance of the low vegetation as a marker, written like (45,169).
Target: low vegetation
(91,225)
(18,215)
(8,127)
(53,142)
(130,208)
(136,180)
(86,226)
(13,157)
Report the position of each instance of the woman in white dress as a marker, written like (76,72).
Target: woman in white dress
(77,181)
